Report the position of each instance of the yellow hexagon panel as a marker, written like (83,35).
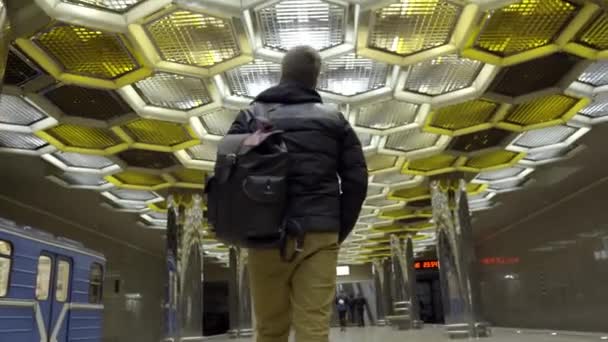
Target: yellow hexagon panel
(592,41)
(434,165)
(190,38)
(88,140)
(408,27)
(521,31)
(189,178)
(156,135)
(402,214)
(462,118)
(492,161)
(77,54)
(542,112)
(411,194)
(118,6)
(380,162)
(137,180)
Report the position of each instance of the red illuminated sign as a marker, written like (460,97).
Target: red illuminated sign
(500,261)
(427,264)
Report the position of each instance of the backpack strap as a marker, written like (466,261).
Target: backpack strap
(259,115)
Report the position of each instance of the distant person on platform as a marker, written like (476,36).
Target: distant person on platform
(326,186)
(360,304)
(342,305)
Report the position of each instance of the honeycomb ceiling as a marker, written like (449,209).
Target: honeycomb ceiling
(130,97)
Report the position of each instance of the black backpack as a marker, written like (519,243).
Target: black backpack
(247,196)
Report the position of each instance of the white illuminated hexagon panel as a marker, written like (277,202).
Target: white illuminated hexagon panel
(554,137)
(289,23)
(251,79)
(351,75)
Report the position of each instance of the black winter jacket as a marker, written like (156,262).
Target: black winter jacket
(327,180)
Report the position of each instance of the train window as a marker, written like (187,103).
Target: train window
(43,279)
(95,283)
(5,266)
(63,281)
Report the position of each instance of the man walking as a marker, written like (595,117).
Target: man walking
(360,303)
(327,184)
(342,304)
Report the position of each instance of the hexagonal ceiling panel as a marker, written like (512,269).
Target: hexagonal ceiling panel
(135,99)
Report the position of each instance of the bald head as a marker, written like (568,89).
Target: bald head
(302,65)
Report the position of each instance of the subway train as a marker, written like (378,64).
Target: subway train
(50,287)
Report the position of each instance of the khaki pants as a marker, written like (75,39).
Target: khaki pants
(300,293)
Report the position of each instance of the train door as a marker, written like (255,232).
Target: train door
(53,283)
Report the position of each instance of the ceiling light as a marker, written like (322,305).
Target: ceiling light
(173,91)
(218,122)
(541,110)
(194,38)
(79,160)
(83,179)
(523,26)
(350,75)
(391,178)
(288,23)
(22,141)
(15,110)
(411,140)
(407,27)
(206,151)
(596,74)
(595,34)
(113,5)
(251,79)
(156,132)
(134,195)
(490,176)
(548,136)
(441,75)
(378,162)
(87,52)
(598,107)
(386,115)
(84,137)
(463,115)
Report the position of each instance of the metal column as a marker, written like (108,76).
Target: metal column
(378,273)
(240,293)
(183,309)
(459,283)
(405,303)
(411,283)
(5,37)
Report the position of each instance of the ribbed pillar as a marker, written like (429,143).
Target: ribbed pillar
(406,314)
(411,283)
(5,37)
(378,274)
(457,266)
(184,257)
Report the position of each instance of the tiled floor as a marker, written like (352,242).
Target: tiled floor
(433,334)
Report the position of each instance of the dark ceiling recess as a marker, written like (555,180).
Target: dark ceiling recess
(148,159)
(424,203)
(411,221)
(88,103)
(535,75)
(480,140)
(18,70)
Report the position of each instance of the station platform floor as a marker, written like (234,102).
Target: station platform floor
(436,334)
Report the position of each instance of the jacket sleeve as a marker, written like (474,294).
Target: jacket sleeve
(241,124)
(352,170)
